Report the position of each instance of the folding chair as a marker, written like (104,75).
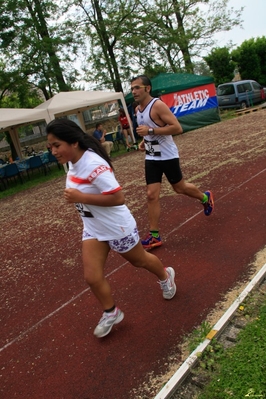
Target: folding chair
(119,139)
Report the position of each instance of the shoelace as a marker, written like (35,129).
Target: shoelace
(164,285)
(105,316)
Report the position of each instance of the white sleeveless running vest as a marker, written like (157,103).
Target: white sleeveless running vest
(158,148)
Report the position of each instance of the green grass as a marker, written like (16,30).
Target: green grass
(197,336)
(238,372)
(121,151)
(38,177)
(227,114)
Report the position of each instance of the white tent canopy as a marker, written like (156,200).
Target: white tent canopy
(12,118)
(63,103)
(75,100)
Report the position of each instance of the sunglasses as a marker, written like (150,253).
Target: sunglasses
(136,87)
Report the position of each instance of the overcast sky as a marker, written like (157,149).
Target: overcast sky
(254,22)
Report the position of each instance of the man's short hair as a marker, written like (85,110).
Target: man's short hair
(98,124)
(144,79)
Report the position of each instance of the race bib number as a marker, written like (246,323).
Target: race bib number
(152,148)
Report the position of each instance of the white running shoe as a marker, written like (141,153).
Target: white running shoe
(107,321)
(168,286)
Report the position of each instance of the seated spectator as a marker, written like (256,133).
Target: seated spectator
(99,134)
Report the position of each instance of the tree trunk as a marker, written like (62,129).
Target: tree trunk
(108,50)
(182,39)
(41,27)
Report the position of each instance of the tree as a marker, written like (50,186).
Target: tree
(154,71)
(107,25)
(260,45)
(182,30)
(32,46)
(201,68)
(123,37)
(130,36)
(251,59)
(221,65)
(16,91)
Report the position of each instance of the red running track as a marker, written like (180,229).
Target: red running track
(48,350)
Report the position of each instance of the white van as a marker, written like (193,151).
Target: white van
(240,94)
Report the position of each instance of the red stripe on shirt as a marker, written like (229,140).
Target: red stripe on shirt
(95,173)
(112,191)
(78,180)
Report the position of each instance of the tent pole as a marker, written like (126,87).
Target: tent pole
(127,115)
(15,138)
(81,120)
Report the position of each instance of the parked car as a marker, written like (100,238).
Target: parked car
(240,94)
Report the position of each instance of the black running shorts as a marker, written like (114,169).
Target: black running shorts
(154,171)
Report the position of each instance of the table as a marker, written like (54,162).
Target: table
(7,171)
(23,165)
(109,135)
(2,170)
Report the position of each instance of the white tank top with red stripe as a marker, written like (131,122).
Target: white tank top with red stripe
(93,175)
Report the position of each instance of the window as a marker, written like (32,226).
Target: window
(243,87)
(256,86)
(225,90)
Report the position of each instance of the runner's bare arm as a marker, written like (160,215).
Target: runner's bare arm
(163,117)
(73,195)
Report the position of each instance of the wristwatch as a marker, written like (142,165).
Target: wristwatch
(151,130)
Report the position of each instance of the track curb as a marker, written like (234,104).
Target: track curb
(183,371)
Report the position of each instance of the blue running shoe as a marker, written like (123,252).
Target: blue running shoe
(209,205)
(151,242)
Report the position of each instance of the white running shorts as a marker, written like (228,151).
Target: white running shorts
(120,245)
